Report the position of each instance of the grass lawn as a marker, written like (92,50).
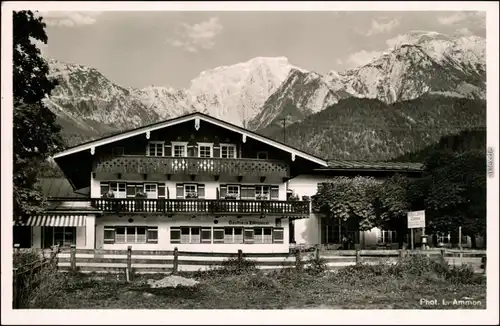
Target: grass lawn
(256,290)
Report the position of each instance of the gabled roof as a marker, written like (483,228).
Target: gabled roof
(368,165)
(185,118)
(58,188)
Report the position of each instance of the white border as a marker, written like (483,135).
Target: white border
(215,317)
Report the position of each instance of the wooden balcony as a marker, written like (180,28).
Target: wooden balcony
(192,166)
(202,206)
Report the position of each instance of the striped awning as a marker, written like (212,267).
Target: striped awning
(56,220)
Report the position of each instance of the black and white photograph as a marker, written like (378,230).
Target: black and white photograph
(249,163)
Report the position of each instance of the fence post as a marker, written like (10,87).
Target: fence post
(15,288)
(129,262)
(298,263)
(240,258)
(176,260)
(317,253)
(483,263)
(400,255)
(358,256)
(73,258)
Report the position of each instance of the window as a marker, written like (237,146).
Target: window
(263,235)
(130,234)
(179,149)
(119,189)
(387,236)
(247,192)
(218,235)
(206,235)
(155,148)
(249,235)
(190,191)
(117,150)
(205,150)
(233,235)
(233,191)
(62,236)
(187,234)
(262,192)
(227,151)
(278,235)
(151,190)
(444,238)
(262,155)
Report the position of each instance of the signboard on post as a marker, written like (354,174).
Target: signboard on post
(416,219)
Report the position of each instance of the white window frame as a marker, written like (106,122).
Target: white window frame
(263,152)
(136,227)
(162,143)
(228,145)
(237,187)
(387,237)
(190,185)
(183,144)
(261,238)
(259,190)
(117,191)
(441,237)
(150,192)
(210,145)
(232,236)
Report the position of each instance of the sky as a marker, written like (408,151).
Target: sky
(170,48)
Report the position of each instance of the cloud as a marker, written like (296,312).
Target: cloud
(464,31)
(362,57)
(397,40)
(379,27)
(197,36)
(69,18)
(476,18)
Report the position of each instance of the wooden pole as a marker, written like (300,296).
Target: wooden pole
(15,289)
(412,240)
(176,260)
(317,253)
(358,257)
(73,258)
(400,256)
(298,263)
(129,262)
(460,245)
(240,258)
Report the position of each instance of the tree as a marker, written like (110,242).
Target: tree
(453,193)
(36,134)
(348,199)
(392,204)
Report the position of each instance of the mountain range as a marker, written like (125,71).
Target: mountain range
(260,93)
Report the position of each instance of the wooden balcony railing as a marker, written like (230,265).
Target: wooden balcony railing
(192,165)
(206,206)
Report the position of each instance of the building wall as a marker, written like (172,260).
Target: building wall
(210,187)
(164,224)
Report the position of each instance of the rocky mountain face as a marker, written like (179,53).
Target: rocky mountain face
(93,105)
(421,63)
(259,93)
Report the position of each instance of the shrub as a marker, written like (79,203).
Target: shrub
(315,265)
(233,266)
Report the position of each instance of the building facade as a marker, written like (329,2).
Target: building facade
(193,182)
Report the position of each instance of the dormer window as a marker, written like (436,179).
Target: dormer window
(205,150)
(179,149)
(227,151)
(155,148)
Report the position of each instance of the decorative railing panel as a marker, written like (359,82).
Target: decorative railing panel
(208,206)
(192,165)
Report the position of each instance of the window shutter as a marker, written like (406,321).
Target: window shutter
(161,190)
(147,149)
(104,188)
(216,151)
(109,235)
(201,191)
(223,191)
(278,236)
(130,190)
(180,190)
(168,150)
(275,192)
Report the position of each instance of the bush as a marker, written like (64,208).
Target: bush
(39,285)
(315,265)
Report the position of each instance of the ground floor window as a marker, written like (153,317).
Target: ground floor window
(444,237)
(226,235)
(386,236)
(59,235)
(130,234)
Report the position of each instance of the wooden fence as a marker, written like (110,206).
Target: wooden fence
(24,276)
(149,261)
